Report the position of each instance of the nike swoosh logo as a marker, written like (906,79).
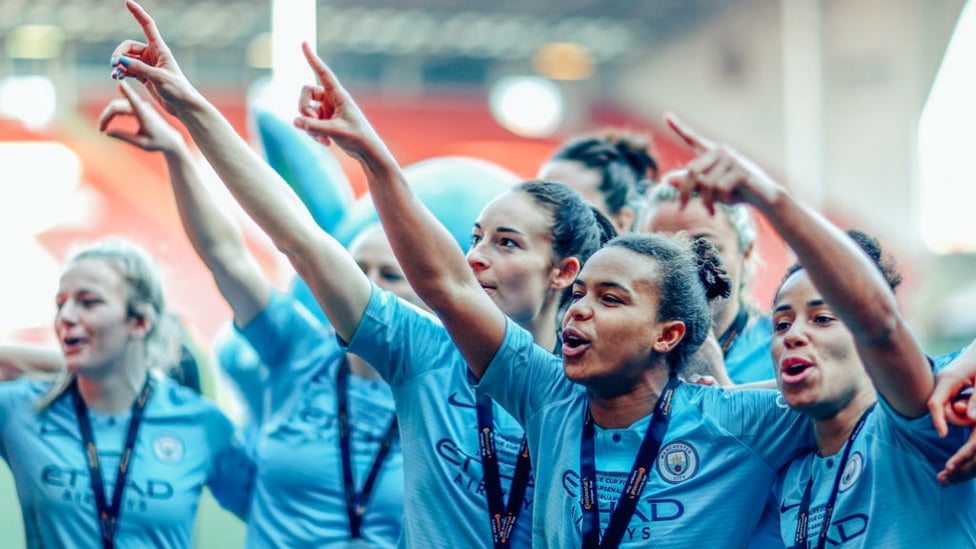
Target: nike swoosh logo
(453,400)
(783,507)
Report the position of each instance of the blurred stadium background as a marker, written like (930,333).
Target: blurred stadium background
(865,108)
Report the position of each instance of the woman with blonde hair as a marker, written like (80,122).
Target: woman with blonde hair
(110,454)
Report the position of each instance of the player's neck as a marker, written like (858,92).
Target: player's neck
(833,432)
(112,394)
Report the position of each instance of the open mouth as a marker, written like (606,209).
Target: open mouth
(794,369)
(574,343)
(73,344)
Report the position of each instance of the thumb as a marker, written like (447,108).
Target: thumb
(131,138)
(135,67)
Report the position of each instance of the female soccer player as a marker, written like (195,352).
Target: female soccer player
(840,343)
(110,455)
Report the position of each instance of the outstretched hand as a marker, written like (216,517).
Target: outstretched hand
(153,133)
(152,63)
(717,173)
(328,113)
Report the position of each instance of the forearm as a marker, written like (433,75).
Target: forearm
(255,185)
(339,286)
(213,234)
(427,252)
(217,239)
(840,270)
(17,360)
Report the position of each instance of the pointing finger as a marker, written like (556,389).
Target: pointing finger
(145,21)
(326,78)
(696,142)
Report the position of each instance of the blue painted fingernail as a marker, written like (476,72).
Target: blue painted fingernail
(114,61)
(125,61)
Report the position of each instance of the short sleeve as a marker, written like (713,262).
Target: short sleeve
(939,362)
(523,377)
(9,393)
(284,330)
(293,344)
(400,340)
(919,434)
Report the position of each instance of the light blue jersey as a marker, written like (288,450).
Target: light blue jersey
(299,494)
(716,466)
(184,443)
(939,362)
(749,359)
(888,495)
(439,426)
(240,362)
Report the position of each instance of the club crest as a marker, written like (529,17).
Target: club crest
(168,448)
(677,462)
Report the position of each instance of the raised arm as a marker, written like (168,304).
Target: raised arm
(215,236)
(428,254)
(340,288)
(843,274)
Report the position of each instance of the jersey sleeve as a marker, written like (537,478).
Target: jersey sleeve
(939,362)
(761,420)
(918,435)
(240,363)
(523,377)
(399,340)
(291,342)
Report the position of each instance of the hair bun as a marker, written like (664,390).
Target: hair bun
(711,271)
(884,262)
(636,151)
